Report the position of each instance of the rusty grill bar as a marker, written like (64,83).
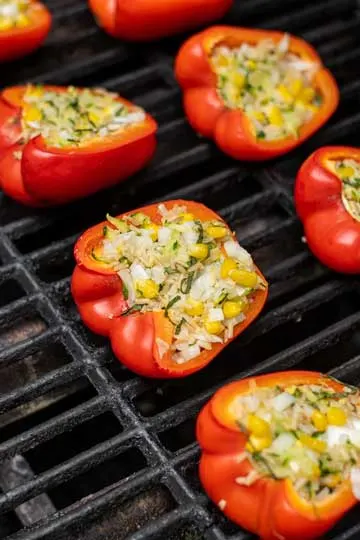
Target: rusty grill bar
(87,449)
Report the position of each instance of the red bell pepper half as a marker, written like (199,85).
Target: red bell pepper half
(143,20)
(268,507)
(37,174)
(22,39)
(327,198)
(99,295)
(231,128)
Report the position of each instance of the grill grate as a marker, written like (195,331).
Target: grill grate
(113,456)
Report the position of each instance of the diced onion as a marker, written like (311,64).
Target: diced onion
(216,314)
(164,234)
(338,435)
(128,282)
(190,352)
(282,443)
(162,346)
(283,45)
(282,401)
(138,272)
(233,249)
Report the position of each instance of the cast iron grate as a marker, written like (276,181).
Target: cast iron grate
(87,449)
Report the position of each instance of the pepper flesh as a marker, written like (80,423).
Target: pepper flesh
(144,20)
(97,291)
(18,42)
(230,128)
(270,508)
(36,174)
(332,233)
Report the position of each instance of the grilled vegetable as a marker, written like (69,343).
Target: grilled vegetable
(270,464)
(327,197)
(24,25)
(144,20)
(186,312)
(58,144)
(257,93)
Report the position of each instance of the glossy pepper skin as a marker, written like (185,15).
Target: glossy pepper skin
(269,508)
(332,233)
(98,294)
(230,128)
(144,20)
(37,175)
(18,42)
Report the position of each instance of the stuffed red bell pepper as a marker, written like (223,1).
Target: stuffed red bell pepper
(143,20)
(58,144)
(281,453)
(327,198)
(169,284)
(257,93)
(24,25)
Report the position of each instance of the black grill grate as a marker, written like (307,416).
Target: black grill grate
(101,454)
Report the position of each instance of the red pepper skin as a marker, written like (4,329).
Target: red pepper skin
(144,20)
(97,292)
(268,508)
(332,234)
(47,176)
(19,42)
(229,128)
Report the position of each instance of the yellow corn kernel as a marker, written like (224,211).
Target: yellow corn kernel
(232,309)
(5,23)
(93,117)
(336,416)
(214,327)
(345,172)
(227,266)
(295,87)
(194,307)
(216,231)
(284,93)
(316,472)
(332,480)
(250,64)
(186,217)
(319,420)
(32,114)
(199,251)
(257,426)
(148,288)
(290,389)
(35,91)
(275,116)
(259,116)
(244,278)
(233,93)
(154,230)
(311,442)
(238,79)
(307,94)
(222,60)
(22,20)
(256,444)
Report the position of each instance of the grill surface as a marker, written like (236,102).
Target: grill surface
(87,450)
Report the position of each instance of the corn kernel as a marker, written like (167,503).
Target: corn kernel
(199,251)
(290,389)
(336,416)
(222,60)
(332,480)
(22,21)
(194,307)
(216,231)
(35,91)
(295,87)
(307,94)
(93,117)
(214,327)
(257,426)
(148,288)
(316,472)
(244,278)
(186,217)
(256,444)
(314,444)
(275,116)
(319,420)
(232,309)
(227,266)
(153,228)
(251,64)
(284,93)
(32,114)
(5,23)
(345,172)
(238,79)
(259,116)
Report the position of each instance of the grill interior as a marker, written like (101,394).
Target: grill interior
(88,450)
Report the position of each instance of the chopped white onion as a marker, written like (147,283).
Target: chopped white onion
(283,45)
(190,352)
(158,274)
(216,314)
(339,435)
(164,234)
(128,282)
(138,272)
(162,346)
(282,443)
(282,401)
(233,249)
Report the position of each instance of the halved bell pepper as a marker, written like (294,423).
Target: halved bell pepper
(231,128)
(330,212)
(99,295)
(37,174)
(143,20)
(268,507)
(27,35)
